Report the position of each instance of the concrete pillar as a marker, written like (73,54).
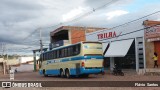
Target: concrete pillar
(136,55)
(112,64)
(144,53)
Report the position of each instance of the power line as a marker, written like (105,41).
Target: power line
(30,42)
(122,25)
(21,48)
(31,34)
(88,13)
(75,19)
(118,25)
(114,26)
(92,11)
(129,21)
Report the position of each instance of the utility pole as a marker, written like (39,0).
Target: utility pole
(41,49)
(3,51)
(1,48)
(6,49)
(7,53)
(41,45)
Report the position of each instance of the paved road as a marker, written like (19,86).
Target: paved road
(107,77)
(34,76)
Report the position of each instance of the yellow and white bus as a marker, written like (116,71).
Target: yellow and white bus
(79,59)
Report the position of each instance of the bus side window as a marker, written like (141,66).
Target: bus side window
(76,49)
(68,50)
(65,50)
(45,56)
(48,56)
(59,53)
(52,54)
(71,51)
(62,53)
(55,53)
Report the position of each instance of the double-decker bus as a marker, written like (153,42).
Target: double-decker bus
(80,59)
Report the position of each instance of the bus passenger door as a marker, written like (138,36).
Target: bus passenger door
(77,68)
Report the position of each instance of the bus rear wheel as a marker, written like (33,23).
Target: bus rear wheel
(61,73)
(67,74)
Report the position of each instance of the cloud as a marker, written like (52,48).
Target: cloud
(19,18)
(115,13)
(73,13)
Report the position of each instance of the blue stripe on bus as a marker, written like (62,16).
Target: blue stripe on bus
(74,71)
(91,71)
(75,59)
(52,71)
(65,60)
(86,57)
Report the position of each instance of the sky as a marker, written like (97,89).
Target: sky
(20,18)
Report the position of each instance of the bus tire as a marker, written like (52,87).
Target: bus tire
(44,73)
(61,73)
(67,73)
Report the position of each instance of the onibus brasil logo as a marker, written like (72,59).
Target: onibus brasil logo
(20,84)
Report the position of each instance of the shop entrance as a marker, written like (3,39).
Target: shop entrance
(129,61)
(126,62)
(157,49)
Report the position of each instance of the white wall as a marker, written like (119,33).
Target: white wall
(119,31)
(24,68)
(26,59)
(1,59)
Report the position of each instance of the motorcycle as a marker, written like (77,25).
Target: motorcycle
(117,71)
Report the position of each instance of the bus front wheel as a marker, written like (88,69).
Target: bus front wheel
(44,73)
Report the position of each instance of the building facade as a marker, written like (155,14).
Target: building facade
(152,41)
(127,45)
(69,35)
